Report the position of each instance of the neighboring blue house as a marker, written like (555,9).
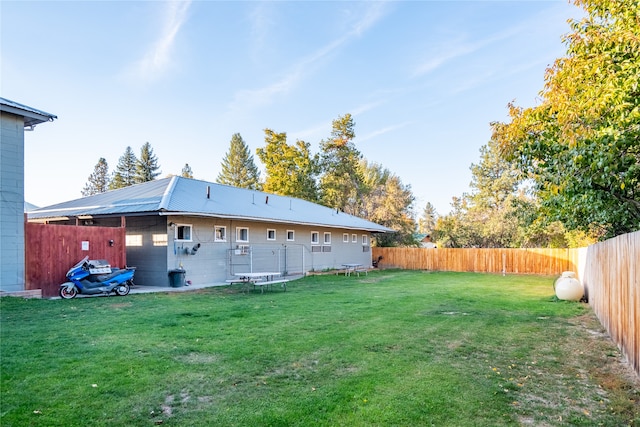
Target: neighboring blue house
(214,231)
(14,118)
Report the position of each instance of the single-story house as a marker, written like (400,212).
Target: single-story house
(216,231)
(14,118)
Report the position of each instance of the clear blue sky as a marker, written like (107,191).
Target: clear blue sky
(422,79)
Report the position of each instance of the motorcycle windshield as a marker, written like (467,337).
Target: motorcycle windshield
(77,266)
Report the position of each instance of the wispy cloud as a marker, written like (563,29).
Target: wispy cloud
(448,53)
(459,47)
(382,131)
(365,107)
(262,22)
(455,50)
(262,96)
(503,67)
(158,59)
(322,130)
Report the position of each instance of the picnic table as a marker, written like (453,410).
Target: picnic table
(351,268)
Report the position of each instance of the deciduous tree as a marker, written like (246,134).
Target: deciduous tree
(581,145)
(386,201)
(291,170)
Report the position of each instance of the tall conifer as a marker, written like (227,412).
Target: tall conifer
(98,181)
(238,167)
(147,168)
(125,173)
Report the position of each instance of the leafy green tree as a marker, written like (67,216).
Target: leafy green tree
(186,171)
(125,172)
(147,165)
(453,230)
(492,204)
(427,221)
(291,170)
(238,167)
(388,202)
(98,181)
(581,145)
(488,216)
(341,180)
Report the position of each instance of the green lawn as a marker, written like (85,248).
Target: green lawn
(394,348)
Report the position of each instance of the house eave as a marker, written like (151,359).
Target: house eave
(273,220)
(30,115)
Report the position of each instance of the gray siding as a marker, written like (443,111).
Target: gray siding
(209,264)
(154,250)
(146,250)
(11,203)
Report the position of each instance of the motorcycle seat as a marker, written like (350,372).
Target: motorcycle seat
(105,277)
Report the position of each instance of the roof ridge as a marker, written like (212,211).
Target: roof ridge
(166,197)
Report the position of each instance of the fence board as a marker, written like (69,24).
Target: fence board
(612,280)
(518,261)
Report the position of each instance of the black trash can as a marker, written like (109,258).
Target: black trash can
(176,277)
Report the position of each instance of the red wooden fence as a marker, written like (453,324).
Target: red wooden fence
(52,249)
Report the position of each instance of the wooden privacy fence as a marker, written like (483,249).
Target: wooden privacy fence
(520,261)
(610,273)
(52,249)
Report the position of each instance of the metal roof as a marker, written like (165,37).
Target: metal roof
(190,197)
(31,115)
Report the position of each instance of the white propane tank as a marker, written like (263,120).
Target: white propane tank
(567,287)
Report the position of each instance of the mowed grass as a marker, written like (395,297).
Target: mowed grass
(394,348)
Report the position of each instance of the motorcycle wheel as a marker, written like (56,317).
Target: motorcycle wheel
(66,293)
(122,289)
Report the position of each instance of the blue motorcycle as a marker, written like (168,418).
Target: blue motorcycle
(93,277)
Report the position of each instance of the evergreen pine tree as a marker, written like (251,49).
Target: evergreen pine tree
(427,221)
(238,167)
(98,181)
(147,165)
(125,173)
(341,183)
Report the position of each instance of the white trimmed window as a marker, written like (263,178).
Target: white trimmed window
(183,233)
(133,240)
(354,238)
(327,238)
(159,239)
(271,234)
(365,240)
(315,238)
(345,238)
(242,234)
(291,236)
(220,233)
